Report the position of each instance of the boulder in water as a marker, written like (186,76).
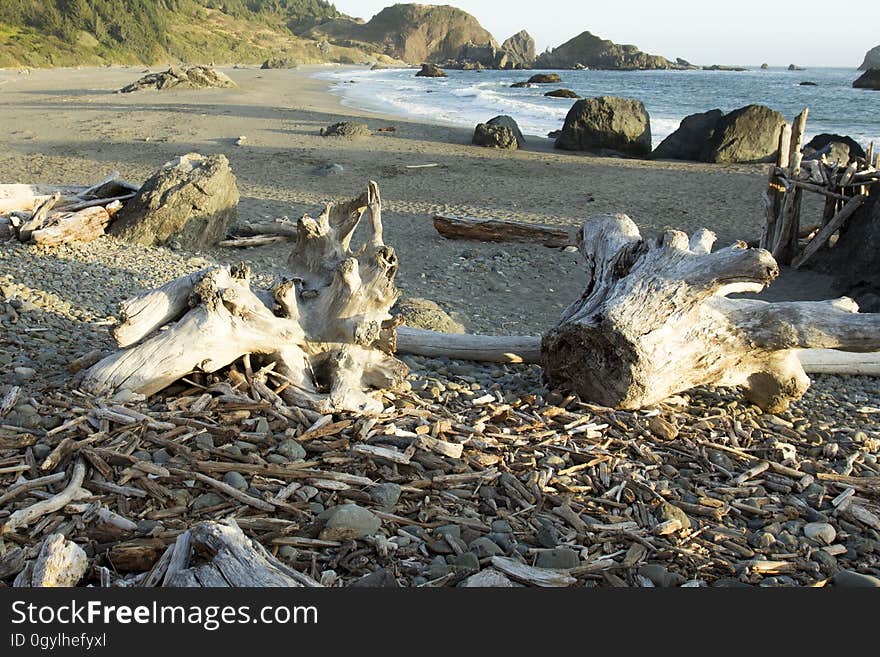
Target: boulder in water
(545,78)
(562,93)
(431,71)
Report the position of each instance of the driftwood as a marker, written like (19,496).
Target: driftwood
(654,320)
(323,331)
(498,230)
(527,349)
(49,215)
(213,554)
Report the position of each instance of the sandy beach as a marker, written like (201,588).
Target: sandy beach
(69,126)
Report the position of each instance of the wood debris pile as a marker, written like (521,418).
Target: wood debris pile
(49,215)
(540,492)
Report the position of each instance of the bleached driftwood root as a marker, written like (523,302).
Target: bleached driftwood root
(213,554)
(23,517)
(325,329)
(655,321)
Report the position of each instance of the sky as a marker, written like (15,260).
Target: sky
(746,32)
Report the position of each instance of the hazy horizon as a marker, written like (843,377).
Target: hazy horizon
(751,34)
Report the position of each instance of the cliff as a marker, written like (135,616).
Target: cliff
(412,33)
(591,51)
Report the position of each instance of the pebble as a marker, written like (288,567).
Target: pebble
(548,535)
(558,559)
(667,511)
(292,450)
(820,531)
(206,500)
(385,495)
(236,480)
(378,579)
(467,560)
(851,579)
(660,576)
(348,521)
(485,547)
(488,578)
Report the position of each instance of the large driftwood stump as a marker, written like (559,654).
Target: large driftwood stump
(325,329)
(655,321)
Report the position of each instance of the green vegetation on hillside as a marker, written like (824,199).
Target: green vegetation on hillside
(68,32)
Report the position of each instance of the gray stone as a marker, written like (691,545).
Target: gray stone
(690,139)
(467,560)
(484,547)
(292,450)
(206,500)
(236,480)
(385,494)
(181,77)
(820,531)
(748,134)
(851,579)
(348,521)
(451,530)
(378,579)
(488,578)
(191,200)
(501,526)
(41,451)
(331,169)
(660,576)
(558,559)
(607,123)
(545,78)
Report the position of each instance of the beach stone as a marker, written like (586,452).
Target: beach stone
(660,576)
(837,148)
(385,494)
(206,500)
(236,480)
(488,578)
(484,547)
(348,521)
(667,511)
(426,314)
(204,441)
(852,579)
(347,129)
(748,134)
(820,531)
(870,79)
(607,123)
(690,139)
(558,559)
(191,201)
(504,133)
(431,71)
(545,78)
(378,579)
(41,451)
(501,527)
(562,93)
(291,449)
(330,169)
(467,560)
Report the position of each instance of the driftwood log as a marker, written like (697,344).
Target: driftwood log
(213,554)
(499,230)
(324,330)
(655,320)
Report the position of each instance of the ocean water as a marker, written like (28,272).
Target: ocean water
(466,98)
